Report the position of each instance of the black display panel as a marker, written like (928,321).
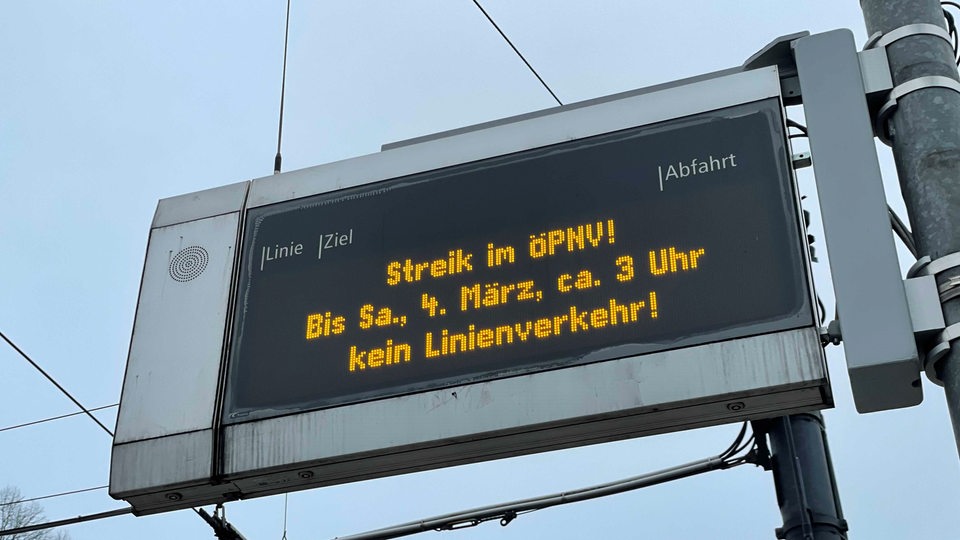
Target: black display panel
(644,240)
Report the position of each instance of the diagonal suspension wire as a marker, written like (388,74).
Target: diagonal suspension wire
(52,418)
(55,383)
(512,46)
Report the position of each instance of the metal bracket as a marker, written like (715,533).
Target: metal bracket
(222,529)
(831,334)
(779,52)
(901,90)
(815,518)
(929,268)
(801,160)
(925,266)
(938,351)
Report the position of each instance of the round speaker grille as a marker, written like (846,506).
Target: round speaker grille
(189,263)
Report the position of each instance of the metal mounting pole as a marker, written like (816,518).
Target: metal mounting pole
(804,480)
(923,124)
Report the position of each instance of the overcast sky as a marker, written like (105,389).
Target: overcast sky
(107,107)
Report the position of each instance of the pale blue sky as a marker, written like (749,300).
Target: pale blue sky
(108,106)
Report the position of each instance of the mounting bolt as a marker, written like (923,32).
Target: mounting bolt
(174,496)
(305,474)
(736,406)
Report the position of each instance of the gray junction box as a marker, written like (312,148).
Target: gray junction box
(628,266)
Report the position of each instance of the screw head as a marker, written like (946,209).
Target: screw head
(736,406)
(305,474)
(174,496)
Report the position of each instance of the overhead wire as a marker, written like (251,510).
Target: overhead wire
(52,418)
(55,383)
(61,494)
(84,410)
(512,46)
(89,412)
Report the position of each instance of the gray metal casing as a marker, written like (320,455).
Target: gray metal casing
(165,426)
(875,320)
(165,459)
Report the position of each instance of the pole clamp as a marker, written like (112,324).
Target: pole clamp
(938,351)
(947,290)
(815,518)
(879,39)
(901,90)
(925,266)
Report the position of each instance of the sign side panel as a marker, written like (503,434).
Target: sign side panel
(171,381)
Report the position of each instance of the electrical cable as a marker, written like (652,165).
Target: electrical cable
(902,231)
(52,418)
(537,75)
(952,30)
(797,125)
(804,134)
(736,442)
(507,512)
(952,27)
(283,89)
(55,383)
(22,501)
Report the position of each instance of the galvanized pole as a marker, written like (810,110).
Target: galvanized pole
(804,479)
(925,130)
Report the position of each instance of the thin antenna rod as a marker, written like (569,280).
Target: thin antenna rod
(537,75)
(283,88)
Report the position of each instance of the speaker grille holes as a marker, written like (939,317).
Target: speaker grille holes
(189,263)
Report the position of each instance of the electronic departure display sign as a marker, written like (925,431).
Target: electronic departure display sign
(643,240)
